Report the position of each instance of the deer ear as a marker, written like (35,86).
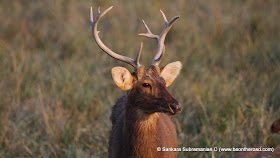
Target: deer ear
(170,72)
(122,77)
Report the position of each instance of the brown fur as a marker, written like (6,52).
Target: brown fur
(275,127)
(141,119)
(276,154)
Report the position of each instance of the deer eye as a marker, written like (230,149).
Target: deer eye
(146,85)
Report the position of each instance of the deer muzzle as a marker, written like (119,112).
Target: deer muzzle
(175,108)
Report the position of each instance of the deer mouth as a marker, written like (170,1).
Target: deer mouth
(173,109)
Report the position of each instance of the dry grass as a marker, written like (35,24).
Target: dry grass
(57,92)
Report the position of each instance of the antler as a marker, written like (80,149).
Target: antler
(135,63)
(161,37)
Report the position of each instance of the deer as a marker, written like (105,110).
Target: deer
(273,141)
(141,118)
(275,127)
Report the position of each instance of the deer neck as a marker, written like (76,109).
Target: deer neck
(142,132)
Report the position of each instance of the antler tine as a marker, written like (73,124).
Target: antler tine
(138,56)
(135,63)
(161,38)
(149,34)
(163,15)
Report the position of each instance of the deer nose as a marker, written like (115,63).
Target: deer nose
(176,108)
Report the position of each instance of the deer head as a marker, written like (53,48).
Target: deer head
(147,87)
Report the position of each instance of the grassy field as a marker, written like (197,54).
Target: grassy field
(56,89)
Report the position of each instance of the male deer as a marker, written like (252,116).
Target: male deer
(141,118)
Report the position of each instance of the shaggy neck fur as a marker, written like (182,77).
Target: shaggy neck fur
(142,132)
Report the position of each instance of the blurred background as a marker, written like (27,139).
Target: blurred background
(56,89)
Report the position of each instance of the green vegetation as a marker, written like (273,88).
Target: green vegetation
(56,90)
